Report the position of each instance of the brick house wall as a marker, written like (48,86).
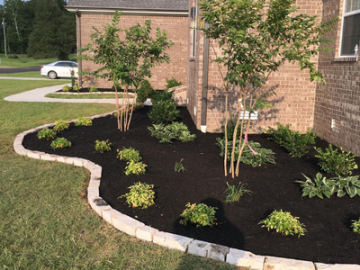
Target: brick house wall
(177,28)
(339,98)
(295,100)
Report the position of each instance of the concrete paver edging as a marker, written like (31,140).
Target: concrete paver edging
(138,229)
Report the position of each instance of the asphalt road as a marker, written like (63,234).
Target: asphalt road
(20,69)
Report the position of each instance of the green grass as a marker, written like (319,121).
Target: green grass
(30,74)
(24,61)
(84,96)
(46,222)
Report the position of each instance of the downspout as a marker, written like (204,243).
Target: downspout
(78,15)
(205,82)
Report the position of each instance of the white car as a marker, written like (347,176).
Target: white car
(59,69)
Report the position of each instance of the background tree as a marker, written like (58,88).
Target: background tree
(256,37)
(126,61)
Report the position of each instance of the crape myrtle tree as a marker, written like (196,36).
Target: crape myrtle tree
(126,60)
(256,37)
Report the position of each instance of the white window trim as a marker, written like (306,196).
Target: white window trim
(343,15)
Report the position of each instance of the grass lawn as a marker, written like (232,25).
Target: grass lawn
(25,61)
(84,96)
(30,74)
(46,222)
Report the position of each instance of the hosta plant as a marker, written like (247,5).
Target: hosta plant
(284,223)
(170,132)
(199,214)
(141,196)
(93,89)
(46,134)
(61,126)
(66,88)
(76,88)
(134,167)
(179,167)
(233,193)
(82,121)
(356,226)
(102,146)
(349,185)
(162,133)
(60,143)
(129,154)
(337,162)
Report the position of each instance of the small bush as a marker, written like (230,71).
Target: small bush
(76,88)
(170,83)
(163,112)
(141,196)
(234,194)
(61,126)
(46,134)
(60,143)
(179,167)
(231,128)
(82,121)
(134,167)
(102,146)
(294,142)
(337,163)
(157,96)
(199,214)
(284,223)
(93,89)
(144,90)
(13,56)
(356,226)
(174,131)
(72,74)
(66,88)
(129,154)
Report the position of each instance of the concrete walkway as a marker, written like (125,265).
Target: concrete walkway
(30,79)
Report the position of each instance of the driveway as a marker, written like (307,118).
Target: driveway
(19,69)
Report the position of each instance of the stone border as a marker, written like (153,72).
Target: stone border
(87,93)
(138,229)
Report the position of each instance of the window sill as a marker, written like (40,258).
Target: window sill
(346,59)
(192,59)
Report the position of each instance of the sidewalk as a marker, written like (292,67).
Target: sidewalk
(29,79)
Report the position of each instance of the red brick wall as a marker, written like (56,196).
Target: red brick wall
(177,29)
(339,98)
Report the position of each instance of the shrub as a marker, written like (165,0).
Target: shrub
(170,83)
(60,143)
(284,223)
(157,96)
(164,111)
(102,146)
(61,126)
(93,89)
(118,86)
(231,128)
(337,163)
(46,134)
(141,196)
(72,74)
(82,121)
(144,90)
(13,56)
(66,88)
(356,226)
(76,88)
(294,142)
(129,154)
(179,167)
(199,214)
(233,193)
(174,131)
(134,167)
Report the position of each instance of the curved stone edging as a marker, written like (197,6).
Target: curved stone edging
(136,228)
(87,93)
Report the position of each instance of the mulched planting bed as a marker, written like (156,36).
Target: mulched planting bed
(87,90)
(329,238)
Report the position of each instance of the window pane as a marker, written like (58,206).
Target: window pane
(351,34)
(351,5)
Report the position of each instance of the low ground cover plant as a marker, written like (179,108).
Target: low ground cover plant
(333,161)
(46,134)
(134,167)
(102,146)
(199,214)
(61,126)
(294,142)
(234,194)
(141,196)
(59,143)
(179,167)
(129,154)
(76,88)
(66,88)
(356,226)
(93,89)
(167,133)
(163,112)
(82,121)
(284,223)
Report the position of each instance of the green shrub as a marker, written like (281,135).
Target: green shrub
(174,131)
(13,56)
(118,87)
(337,163)
(248,157)
(46,134)
(134,167)
(199,214)
(102,146)
(231,128)
(144,90)
(294,142)
(72,74)
(141,196)
(163,112)
(356,226)
(129,154)
(170,83)
(234,194)
(66,88)
(179,167)
(157,96)
(61,126)
(284,223)
(60,143)
(82,121)
(93,89)
(349,185)
(76,88)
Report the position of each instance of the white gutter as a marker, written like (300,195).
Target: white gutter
(132,12)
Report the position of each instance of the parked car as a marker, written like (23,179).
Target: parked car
(59,69)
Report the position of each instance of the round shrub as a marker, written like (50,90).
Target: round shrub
(141,195)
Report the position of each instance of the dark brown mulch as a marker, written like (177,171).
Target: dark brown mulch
(329,238)
(87,90)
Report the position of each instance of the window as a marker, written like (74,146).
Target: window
(350,27)
(193,14)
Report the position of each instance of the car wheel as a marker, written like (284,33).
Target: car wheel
(52,75)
